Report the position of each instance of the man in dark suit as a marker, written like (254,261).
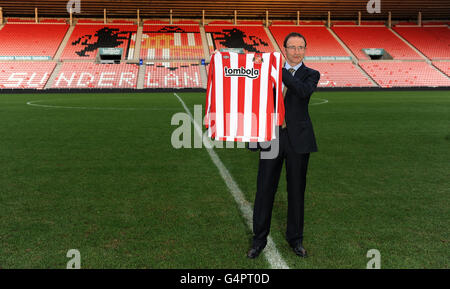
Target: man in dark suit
(296,141)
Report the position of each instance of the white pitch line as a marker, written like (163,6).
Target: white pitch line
(34,103)
(270,252)
(323,100)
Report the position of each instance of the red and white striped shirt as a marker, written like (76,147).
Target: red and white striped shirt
(240,101)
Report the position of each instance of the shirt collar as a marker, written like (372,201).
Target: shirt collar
(287,66)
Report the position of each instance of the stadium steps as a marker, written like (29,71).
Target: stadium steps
(272,39)
(418,52)
(353,56)
(410,45)
(203,72)
(367,75)
(440,69)
(204,43)
(64,43)
(137,48)
(433,41)
(443,66)
(204,76)
(141,76)
(53,76)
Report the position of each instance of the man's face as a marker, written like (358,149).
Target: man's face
(295,50)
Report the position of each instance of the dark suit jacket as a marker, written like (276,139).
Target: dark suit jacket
(300,86)
(298,123)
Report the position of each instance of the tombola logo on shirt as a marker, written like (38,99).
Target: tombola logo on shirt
(241,72)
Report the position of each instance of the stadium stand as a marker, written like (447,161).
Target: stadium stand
(172,75)
(161,42)
(191,22)
(25,74)
(397,74)
(161,22)
(176,49)
(53,21)
(92,75)
(249,22)
(340,74)
(434,23)
(220,22)
(443,66)
(122,21)
(89,21)
(156,22)
(31,39)
(86,39)
(343,23)
(369,23)
(301,23)
(434,42)
(27,20)
(319,38)
(359,37)
(406,24)
(20,20)
(250,38)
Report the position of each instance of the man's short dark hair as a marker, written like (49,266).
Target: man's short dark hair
(293,34)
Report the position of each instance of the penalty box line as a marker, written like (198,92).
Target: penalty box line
(271,253)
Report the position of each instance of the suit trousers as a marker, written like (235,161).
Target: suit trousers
(269,171)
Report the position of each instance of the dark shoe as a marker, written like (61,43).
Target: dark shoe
(254,252)
(300,251)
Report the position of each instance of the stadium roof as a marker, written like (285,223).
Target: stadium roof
(248,9)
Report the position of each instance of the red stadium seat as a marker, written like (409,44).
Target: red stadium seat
(86,39)
(359,37)
(434,42)
(121,21)
(443,66)
(90,21)
(396,73)
(25,74)
(31,39)
(251,38)
(320,42)
(92,75)
(156,22)
(172,75)
(170,42)
(340,74)
(301,22)
(20,20)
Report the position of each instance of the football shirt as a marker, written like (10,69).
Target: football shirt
(244,100)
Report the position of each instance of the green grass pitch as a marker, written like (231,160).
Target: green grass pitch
(98,173)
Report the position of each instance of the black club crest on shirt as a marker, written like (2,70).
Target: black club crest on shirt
(258,59)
